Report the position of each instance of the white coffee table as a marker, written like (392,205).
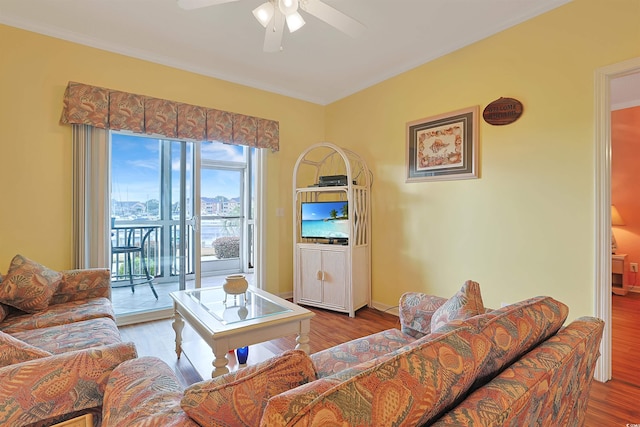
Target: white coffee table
(242,320)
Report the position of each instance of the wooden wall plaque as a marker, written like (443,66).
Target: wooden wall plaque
(502,111)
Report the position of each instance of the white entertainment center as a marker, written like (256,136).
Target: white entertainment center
(332,263)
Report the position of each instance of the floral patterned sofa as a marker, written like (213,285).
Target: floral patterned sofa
(58,343)
(453,363)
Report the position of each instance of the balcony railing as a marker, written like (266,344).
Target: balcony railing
(154,245)
(160,247)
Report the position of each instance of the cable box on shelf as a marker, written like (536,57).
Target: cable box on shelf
(332,180)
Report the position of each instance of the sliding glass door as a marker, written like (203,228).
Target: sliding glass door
(226,204)
(178,209)
(152,220)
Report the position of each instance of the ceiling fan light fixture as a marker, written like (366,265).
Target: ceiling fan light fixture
(294,22)
(264,13)
(272,15)
(288,7)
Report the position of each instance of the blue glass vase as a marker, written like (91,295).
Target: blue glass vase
(242,354)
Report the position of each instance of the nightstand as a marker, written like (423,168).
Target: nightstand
(619,274)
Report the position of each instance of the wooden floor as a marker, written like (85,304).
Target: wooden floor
(625,338)
(327,329)
(615,403)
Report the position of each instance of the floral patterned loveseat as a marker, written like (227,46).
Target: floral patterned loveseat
(453,363)
(58,343)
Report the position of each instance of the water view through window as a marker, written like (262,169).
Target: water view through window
(152,185)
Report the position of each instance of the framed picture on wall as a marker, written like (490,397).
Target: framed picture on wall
(443,147)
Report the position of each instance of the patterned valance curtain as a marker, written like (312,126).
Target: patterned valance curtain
(110,109)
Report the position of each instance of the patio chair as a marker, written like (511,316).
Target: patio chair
(129,250)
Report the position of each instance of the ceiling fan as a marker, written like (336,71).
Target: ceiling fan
(273,14)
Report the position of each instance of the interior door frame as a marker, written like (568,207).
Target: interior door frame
(603,77)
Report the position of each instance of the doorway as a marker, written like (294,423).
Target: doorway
(152,223)
(625,154)
(603,78)
(188,207)
(227,204)
(222,223)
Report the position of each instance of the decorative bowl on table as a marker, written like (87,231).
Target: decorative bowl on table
(235,284)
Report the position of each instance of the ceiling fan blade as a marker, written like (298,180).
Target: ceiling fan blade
(197,4)
(333,17)
(273,34)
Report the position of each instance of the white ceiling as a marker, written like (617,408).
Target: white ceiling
(318,63)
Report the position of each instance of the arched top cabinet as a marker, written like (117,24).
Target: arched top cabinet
(332,229)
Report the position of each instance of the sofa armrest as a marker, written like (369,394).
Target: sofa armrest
(416,310)
(144,392)
(51,387)
(550,384)
(83,284)
(240,399)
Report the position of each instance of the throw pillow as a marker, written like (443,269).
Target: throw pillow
(28,286)
(239,398)
(466,303)
(15,351)
(516,329)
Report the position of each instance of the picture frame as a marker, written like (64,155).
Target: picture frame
(443,147)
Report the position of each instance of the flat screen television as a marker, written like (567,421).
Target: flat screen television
(325,220)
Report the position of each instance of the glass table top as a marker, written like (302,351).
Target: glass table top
(236,308)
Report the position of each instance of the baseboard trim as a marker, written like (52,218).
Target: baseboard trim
(286,295)
(130,319)
(391,309)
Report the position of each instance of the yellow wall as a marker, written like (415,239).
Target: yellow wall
(35,151)
(526,227)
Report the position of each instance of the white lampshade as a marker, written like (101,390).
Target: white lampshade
(264,13)
(616,218)
(294,22)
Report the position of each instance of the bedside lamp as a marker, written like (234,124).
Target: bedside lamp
(616,219)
